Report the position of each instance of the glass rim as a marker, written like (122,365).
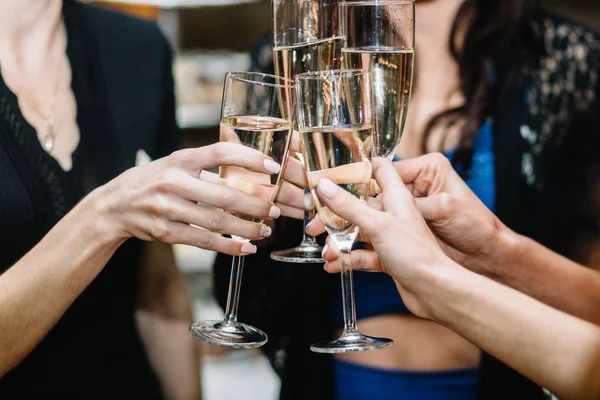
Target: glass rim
(334,72)
(241,76)
(374,2)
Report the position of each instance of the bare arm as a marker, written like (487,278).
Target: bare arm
(558,351)
(155,202)
(163,317)
(472,236)
(533,269)
(38,289)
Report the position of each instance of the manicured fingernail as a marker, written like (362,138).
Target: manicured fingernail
(324,250)
(265,231)
(248,248)
(275,212)
(327,188)
(272,166)
(308,202)
(309,224)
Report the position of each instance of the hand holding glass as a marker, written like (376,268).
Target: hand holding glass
(307,38)
(335,120)
(254,113)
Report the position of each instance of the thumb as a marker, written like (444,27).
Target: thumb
(436,208)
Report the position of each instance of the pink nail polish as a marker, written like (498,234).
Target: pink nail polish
(327,188)
(272,166)
(265,231)
(248,248)
(275,212)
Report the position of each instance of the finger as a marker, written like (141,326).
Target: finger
(295,173)
(315,227)
(330,250)
(375,203)
(395,195)
(411,168)
(346,206)
(360,260)
(229,199)
(287,211)
(219,154)
(290,195)
(375,189)
(295,143)
(179,233)
(429,174)
(212,219)
(363,237)
(436,208)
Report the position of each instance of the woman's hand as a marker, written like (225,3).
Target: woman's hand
(407,249)
(290,197)
(465,228)
(159,201)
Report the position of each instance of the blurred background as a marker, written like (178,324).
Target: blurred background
(212,37)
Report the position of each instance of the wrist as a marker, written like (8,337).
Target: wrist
(507,248)
(97,214)
(435,286)
(449,287)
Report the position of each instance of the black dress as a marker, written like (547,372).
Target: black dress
(547,165)
(124,91)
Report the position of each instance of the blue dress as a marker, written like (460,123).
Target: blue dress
(376,294)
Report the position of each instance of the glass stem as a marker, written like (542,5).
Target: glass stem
(308,216)
(235,284)
(348,294)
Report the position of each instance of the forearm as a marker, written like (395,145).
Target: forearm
(164,316)
(531,268)
(38,289)
(174,354)
(558,351)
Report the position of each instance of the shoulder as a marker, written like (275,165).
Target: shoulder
(566,82)
(573,59)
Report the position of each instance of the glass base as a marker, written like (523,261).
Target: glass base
(305,253)
(235,335)
(351,342)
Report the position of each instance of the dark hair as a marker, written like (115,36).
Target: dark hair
(496,30)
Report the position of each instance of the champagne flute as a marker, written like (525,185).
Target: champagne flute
(251,114)
(307,38)
(380,37)
(336,125)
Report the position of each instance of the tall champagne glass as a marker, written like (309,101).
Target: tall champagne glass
(380,37)
(253,114)
(336,125)
(307,38)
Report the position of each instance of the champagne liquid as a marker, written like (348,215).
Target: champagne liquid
(392,73)
(316,56)
(341,154)
(271,137)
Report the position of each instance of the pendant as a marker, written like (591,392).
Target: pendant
(49,135)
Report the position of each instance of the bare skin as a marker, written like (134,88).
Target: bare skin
(156,202)
(423,345)
(557,350)
(479,241)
